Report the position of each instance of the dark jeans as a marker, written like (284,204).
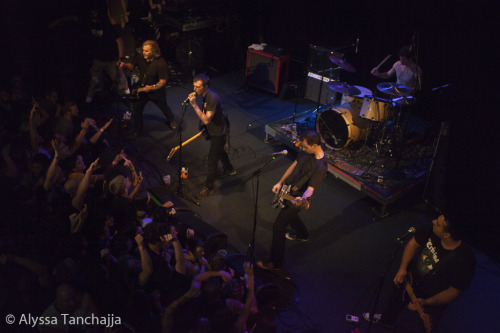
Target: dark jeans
(287,216)
(138,109)
(215,154)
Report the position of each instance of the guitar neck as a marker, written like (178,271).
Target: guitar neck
(288,197)
(411,293)
(425,317)
(174,150)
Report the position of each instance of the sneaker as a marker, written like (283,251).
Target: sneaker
(268,266)
(204,193)
(377,319)
(173,124)
(228,173)
(294,237)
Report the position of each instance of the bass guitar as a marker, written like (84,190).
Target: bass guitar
(284,194)
(424,316)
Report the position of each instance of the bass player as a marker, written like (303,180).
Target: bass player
(305,175)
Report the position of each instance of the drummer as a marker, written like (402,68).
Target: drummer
(405,69)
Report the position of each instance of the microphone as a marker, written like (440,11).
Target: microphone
(187,98)
(283,152)
(357,45)
(406,234)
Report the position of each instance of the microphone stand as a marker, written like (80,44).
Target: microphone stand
(381,284)
(257,173)
(410,103)
(180,181)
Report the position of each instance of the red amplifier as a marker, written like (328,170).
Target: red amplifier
(266,71)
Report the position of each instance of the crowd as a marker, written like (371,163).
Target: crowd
(81,238)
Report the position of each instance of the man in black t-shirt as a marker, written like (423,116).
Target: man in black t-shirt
(217,126)
(304,176)
(438,265)
(153,75)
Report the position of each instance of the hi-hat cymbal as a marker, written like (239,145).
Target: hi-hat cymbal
(342,64)
(394,89)
(343,88)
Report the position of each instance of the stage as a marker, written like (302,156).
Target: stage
(384,177)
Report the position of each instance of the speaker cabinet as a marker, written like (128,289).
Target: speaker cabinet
(312,89)
(266,71)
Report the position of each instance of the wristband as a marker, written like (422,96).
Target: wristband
(101,130)
(140,248)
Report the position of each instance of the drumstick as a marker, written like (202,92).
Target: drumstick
(385,59)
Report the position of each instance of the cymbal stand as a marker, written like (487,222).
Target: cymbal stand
(323,69)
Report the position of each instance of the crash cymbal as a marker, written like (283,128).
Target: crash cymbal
(343,88)
(342,64)
(393,89)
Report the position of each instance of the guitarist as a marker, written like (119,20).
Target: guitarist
(305,175)
(440,267)
(213,118)
(153,75)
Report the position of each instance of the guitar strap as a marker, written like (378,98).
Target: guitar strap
(305,177)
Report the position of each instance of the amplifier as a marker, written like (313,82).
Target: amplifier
(313,85)
(266,71)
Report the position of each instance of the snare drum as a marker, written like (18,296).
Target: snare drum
(340,127)
(376,109)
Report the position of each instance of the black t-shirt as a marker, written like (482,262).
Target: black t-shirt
(306,163)
(436,269)
(151,72)
(103,42)
(218,125)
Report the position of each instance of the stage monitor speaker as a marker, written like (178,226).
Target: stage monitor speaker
(312,89)
(266,71)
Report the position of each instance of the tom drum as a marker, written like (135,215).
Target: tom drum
(376,109)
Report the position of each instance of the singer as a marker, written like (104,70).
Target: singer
(305,175)
(406,70)
(212,117)
(439,266)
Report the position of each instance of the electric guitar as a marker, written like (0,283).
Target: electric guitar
(284,194)
(424,316)
(203,131)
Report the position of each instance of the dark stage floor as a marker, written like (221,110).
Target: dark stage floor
(337,272)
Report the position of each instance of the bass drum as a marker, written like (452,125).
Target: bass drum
(339,127)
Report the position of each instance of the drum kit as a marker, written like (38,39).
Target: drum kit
(361,115)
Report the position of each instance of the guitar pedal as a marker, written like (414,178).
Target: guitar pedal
(351,319)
